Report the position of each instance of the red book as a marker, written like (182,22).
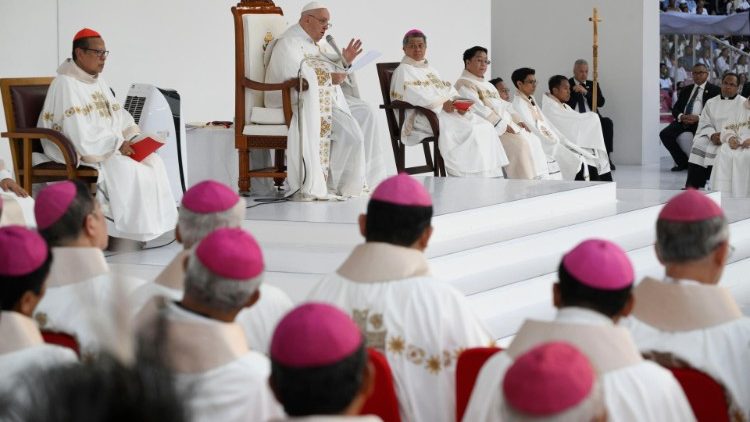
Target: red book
(144,148)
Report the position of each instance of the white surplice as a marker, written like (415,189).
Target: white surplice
(468,143)
(341,151)
(220,377)
(700,325)
(731,173)
(524,149)
(85,299)
(582,129)
(418,322)
(15,210)
(634,389)
(135,195)
(332,418)
(713,116)
(258,322)
(22,349)
(563,164)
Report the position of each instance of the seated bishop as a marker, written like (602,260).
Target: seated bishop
(552,382)
(16,205)
(385,285)
(582,129)
(524,149)
(207,206)
(83,294)
(468,143)
(731,172)
(564,159)
(687,319)
(136,195)
(221,377)
(594,292)
(320,368)
(24,265)
(342,151)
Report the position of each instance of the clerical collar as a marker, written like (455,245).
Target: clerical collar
(468,75)
(728,98)
(416,63)
(70,68)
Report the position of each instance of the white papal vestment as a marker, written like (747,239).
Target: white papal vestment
(85,299)
(258,322)
(418,322)
(634,389)
(468,143)
(135,195)
(713,116)
(524,149)
(731,173)
(686,322)
(15,210)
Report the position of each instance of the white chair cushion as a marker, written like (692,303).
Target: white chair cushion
(267,116)
(260,29)
(265,130)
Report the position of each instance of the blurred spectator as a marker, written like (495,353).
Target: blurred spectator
(665,81)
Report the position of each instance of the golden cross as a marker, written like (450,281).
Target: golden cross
(595,19)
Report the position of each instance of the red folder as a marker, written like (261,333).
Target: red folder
(144,148)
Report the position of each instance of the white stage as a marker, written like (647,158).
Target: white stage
(497,241)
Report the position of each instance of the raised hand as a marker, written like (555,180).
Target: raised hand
(352,50)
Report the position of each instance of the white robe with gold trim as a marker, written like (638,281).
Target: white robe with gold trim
(731,173)
(634,389)
(715,113)
(135,195)
(418,322)
(468,143)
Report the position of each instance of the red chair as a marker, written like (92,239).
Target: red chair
(469,364)
(383,401)
(62,339)
(706,396)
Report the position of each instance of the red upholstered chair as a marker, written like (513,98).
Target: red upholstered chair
(61,339)
(469,364)
(706,396)
(383,401)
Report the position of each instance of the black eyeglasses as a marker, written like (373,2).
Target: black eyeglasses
(99,53)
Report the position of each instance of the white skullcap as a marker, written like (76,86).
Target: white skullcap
(313,5)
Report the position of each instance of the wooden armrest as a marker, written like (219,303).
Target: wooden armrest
(262,86)
(402,106)
(57,137)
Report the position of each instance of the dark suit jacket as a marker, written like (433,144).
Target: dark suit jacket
(683,97)
(745,89)
(576,97)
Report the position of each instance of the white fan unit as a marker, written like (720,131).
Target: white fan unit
(156,110)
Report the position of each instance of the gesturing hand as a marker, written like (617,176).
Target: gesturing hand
(352,51)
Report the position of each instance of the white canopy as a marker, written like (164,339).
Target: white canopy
(686,23)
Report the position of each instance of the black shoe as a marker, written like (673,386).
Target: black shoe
(680,167)
(612,165)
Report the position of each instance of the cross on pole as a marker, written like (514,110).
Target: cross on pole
(595,19)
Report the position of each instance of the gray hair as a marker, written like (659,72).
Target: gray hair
(580,62)
(679,242)
(588,410)
(215,292)
(194,226)
(413,34)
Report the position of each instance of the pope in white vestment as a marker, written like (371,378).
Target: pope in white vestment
(634,389)
(341,149)
(731,173)
(468,143)
(524,149)
(419,323)
(136,195)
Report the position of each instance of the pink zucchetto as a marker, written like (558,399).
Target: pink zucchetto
(314,334)
(208,197)
(402,189)
(413,32)
(86,33)
(600,264)
(22,251)
(52,203)
(690,206)
(548,379)
(231,253)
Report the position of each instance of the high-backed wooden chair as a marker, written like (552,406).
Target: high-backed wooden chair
(256,24)
(23,99)
(469,363)
(383,402)
(434,165)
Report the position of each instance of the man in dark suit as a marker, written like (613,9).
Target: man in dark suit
(686,112)
(581,94)
(745,89)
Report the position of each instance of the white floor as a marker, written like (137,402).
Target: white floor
(497,241)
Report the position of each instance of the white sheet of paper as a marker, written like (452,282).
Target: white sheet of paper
(364,60)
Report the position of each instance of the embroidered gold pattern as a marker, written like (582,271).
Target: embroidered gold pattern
(738,125)
(374,338)
(433,364)
(325,100)
(396,96)
(101,104)
(56,127)
(396,345)
(432,80)
(41,319)
(48,116)
(486,93)
(267,40)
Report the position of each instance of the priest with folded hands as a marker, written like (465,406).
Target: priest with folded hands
(80,104)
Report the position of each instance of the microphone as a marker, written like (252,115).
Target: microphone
(333,45)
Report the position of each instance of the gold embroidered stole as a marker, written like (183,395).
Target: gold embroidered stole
(326,89)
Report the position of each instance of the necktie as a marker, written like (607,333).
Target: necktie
(581,102)
(691,101)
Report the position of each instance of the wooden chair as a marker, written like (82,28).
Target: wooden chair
(256,24)
(470,362)
(707,398)
(383,402)
(23,99)
(434,165)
